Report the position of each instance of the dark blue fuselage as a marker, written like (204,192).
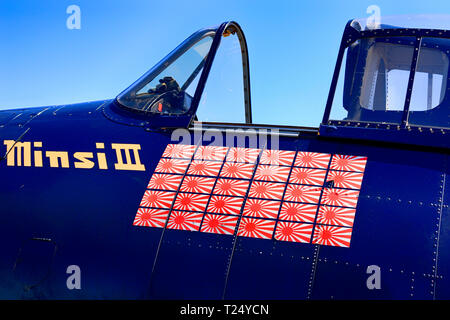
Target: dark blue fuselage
(54,217)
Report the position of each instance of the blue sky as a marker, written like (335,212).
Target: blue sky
(293,47)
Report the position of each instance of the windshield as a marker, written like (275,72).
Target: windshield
(183,71)
(170,86)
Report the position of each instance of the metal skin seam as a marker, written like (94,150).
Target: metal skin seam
(167,220)
(317,247)
(235,235)
(436,257)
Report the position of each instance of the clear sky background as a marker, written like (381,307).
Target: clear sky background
(292,45)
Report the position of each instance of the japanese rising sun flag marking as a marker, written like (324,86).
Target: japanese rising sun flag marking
(343,179)
(237,170)
(226,205)
(261,208)
(210,153)
(242,155)
(312,160)
(256,228)
(299,193)
(155,218)
(191,202)
(298,212)
(184,220)
(197,184)
(172,166)
(204,168)
(165,182)
(272,173)
(179,151)
(348,163)
(294,232)
(277,157)
(307,176)
(332,236)
(340,197)
(231,187)
(336,216)
(214,223)
(278,194)
(266,190)
(157,199)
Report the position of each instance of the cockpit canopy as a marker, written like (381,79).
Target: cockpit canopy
(394,76)
(387,77)
(169,93)
(416,21)
(376,81)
